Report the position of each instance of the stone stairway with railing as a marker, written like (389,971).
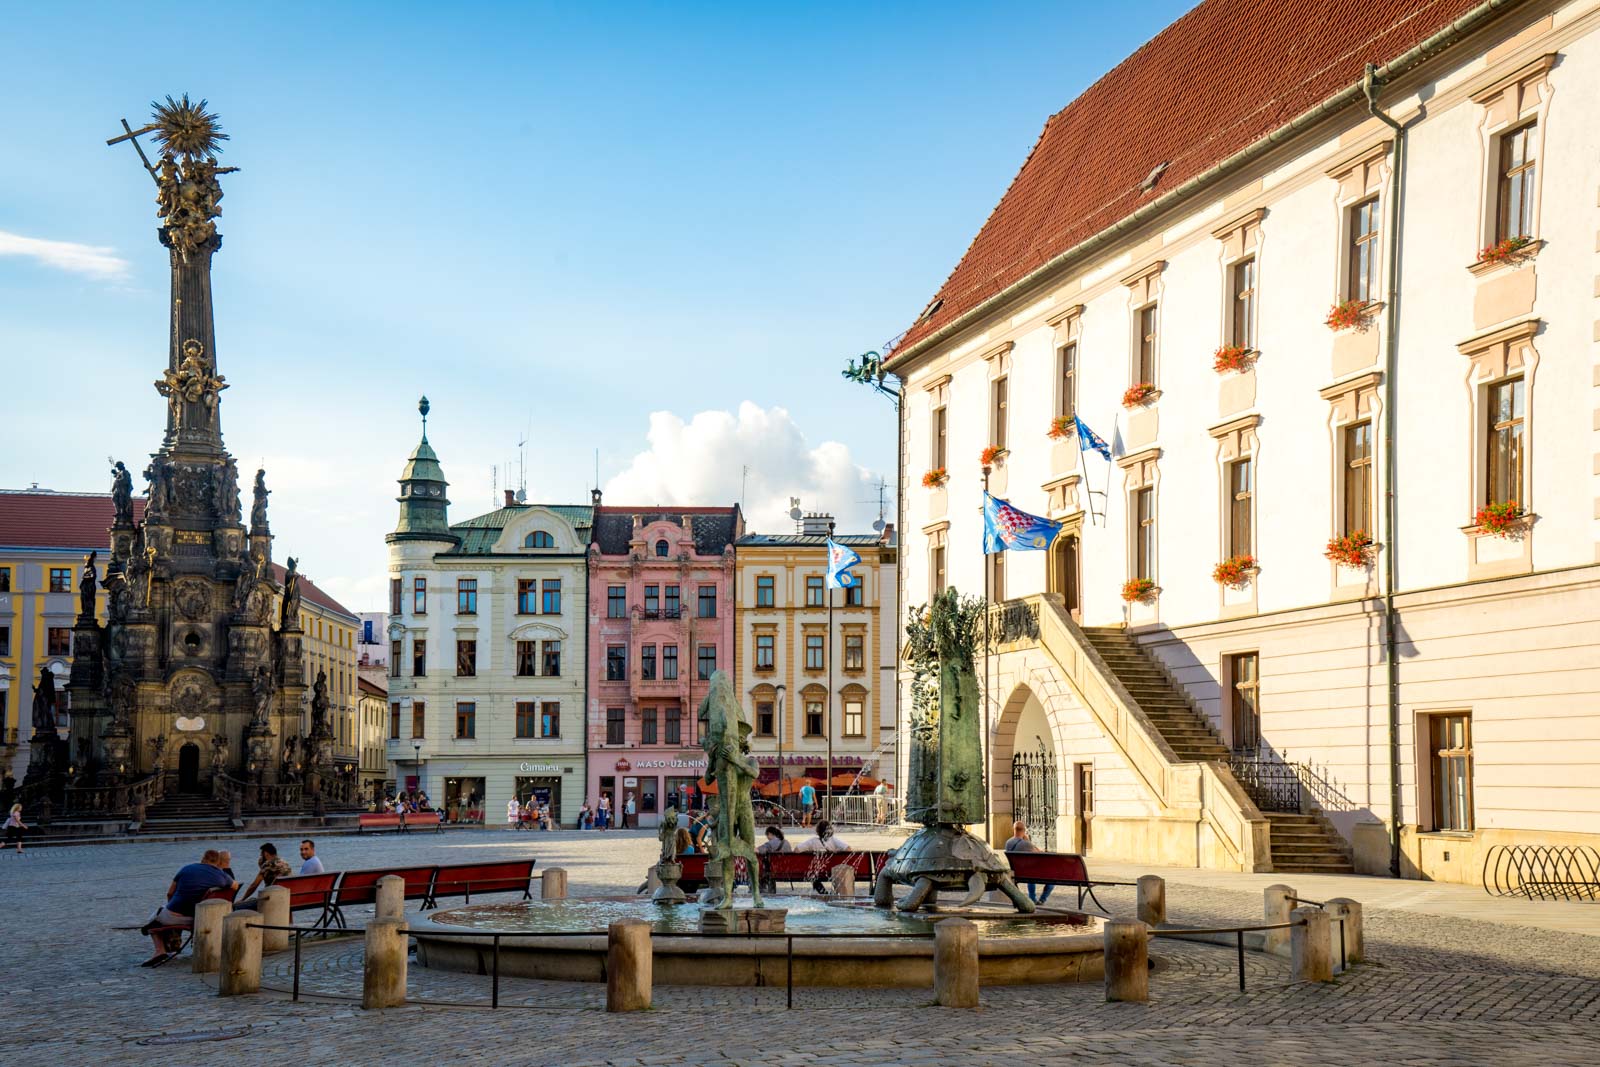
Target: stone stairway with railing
(187,813)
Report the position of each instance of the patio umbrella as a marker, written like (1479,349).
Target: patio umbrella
(845,781)
(709,788)
(790,786)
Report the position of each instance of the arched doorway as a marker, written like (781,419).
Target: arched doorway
(1025,756)
(1064,573)
(189,768)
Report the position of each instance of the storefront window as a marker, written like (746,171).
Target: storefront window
(463,800)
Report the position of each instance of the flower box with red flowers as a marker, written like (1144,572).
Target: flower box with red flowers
(1349,314)
(1233,358)
(1139,393)
(1499,520)
(1352,550)
(935,478)
(1510,250)
(1235,572)
(1138,590)
(1062,427)
(990,455)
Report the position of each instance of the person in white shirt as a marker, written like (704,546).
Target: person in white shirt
(308,854)
(825,841)
(514,813)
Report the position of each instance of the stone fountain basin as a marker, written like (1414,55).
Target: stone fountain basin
(1012,949)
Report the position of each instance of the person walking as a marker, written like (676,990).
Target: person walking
(629,811)
(15,827)
(808,803)
(605,810)
(514,813)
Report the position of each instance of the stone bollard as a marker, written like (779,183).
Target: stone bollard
(628,966)
(843,878)
(1127,956)
(553,884)
(241,955)
(273,904)
(1278,907)
(1311,945)
(955,964)
(383,969)
(1152,899)
(391,902)
(1355,941)
(207,942)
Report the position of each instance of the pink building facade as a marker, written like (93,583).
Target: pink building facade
(661,621)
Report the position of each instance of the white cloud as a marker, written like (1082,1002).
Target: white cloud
(91,261)
(710,458)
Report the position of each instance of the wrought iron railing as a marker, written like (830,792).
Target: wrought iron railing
(1271,783)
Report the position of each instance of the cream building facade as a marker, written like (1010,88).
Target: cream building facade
(330,638)
(785,644)
(372,714)
(1441,696)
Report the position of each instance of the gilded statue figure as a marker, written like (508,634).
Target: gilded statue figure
(725,736)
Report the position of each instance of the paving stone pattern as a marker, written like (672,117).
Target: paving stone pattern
(1439,989)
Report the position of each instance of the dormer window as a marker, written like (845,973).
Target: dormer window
(539,539)
(662,548)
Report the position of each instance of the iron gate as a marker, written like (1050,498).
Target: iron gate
(1035,794)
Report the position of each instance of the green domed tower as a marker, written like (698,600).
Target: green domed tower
(423,504)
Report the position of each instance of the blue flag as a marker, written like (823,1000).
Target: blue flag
(1007,529)
(840,560)
(1089,439)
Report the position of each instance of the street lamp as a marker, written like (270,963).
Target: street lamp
(416,747)
(780,690)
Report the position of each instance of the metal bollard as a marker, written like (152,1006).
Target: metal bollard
(553,884)
(1127,955)
(1355,941)
(273,903)
(1151,899)
(207,942)
(1311,945)
(241,955)
(383,969)
(955,964)
(1277,908)
(629,966)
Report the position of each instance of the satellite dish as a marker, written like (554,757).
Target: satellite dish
(877,524)
(794,513)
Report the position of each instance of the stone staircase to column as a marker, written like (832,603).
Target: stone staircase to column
(186,813)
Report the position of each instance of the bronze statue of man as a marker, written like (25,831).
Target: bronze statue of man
(725,736)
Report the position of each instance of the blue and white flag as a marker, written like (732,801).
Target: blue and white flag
(840,560)
(1091,440)
(1007,529)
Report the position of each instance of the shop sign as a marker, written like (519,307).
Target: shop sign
(623,766)
(538,768)
(669,764)
(630,781)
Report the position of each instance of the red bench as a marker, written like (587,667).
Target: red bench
(790,866)
(465,879)
(1057,868)
(308,891)
(393,820)
(178,936)
(361,887)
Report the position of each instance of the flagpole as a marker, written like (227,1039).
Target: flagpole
(1105,495)
(987,606)
(828,586)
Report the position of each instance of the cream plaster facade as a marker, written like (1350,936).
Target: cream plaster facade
(1504,630)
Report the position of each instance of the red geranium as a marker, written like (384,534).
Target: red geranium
(1507,251)
(990,454)
(1348,314)
(1235,572)
(1352,550)
(935,478)
(1062,427)
(1138,393)
(1499,520)
(1142,590)
(1233,358)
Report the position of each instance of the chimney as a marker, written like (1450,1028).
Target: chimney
(816,523)
(594,497)
(511,498)
(887,537)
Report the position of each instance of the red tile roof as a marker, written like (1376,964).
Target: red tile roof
(1214,82)
(82,521)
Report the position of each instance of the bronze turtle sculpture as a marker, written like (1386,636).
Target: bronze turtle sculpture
(946,857)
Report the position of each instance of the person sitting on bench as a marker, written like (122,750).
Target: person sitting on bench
(189,887)
(825,841)
(1019,841)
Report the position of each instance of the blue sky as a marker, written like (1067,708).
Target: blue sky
(584,223)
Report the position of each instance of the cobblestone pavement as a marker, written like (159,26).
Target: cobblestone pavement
(1439,989)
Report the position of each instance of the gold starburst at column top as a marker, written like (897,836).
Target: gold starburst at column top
(186,129)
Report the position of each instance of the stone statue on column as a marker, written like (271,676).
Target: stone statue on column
(86,587)
(121,494)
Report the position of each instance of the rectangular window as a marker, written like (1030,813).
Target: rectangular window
(652,601)
(855,595)
(936,568)
(1244,303)
(940,436)
(527,719)
(816,591)
(616,726)
(527,596)
(1067,378)
(419,715)
(855,719)
(616,663)
(552,596)
(1518,168)
(527,653)
(550,719)
(394,720)
(1450,740)
(466,721)
(394,659)
(707,607)
(1356,492)
(647,663)
(674,725)
(813,718)
(1363,252)
(616,601)
(854,652)
(466,659)
(1506,451)
(647,726)
(1241,500)
(466,596)
(1244,704)
(999,391)
(419,596)
(1145,369)
(61,579)
(766,652)
(397,596)
(419,658)
(706,658)
(814,652)
(552,659)
(669,662)
(765,719)
(1144,533)
(766,591)
(673,609)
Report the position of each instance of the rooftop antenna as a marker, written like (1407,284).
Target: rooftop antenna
(882,486)
(494,485)
(522,469)
(796,514)
(744,481)
(597,468)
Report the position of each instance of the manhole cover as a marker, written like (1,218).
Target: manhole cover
(195,1037)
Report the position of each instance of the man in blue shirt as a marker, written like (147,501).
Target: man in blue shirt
(808,803)
(189,887)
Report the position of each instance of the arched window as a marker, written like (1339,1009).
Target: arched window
(662,548)
(539,539)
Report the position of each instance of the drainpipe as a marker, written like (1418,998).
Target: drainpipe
(1370,86)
